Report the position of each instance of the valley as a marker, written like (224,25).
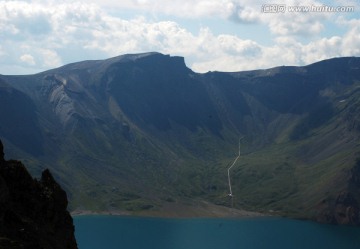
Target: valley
(140,132)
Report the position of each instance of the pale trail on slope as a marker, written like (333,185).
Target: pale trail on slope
(230,194)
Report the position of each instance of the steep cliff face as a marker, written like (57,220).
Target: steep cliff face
(32,213)
(344,208)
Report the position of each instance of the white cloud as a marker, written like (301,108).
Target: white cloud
(181,8)
(44,35)
(234,46)
(351,39)
(19,19)
(295,25)
(241,11)
(50,59)
(28,59)
(322,49)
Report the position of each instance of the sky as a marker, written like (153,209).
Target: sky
(212,35)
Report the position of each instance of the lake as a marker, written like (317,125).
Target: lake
(117,232)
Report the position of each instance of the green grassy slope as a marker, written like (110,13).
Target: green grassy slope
(137,132)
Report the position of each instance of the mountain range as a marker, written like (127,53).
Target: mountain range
(139,132)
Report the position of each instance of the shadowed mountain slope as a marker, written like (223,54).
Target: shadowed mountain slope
(136,131)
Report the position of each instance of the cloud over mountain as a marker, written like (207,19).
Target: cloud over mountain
(38,35)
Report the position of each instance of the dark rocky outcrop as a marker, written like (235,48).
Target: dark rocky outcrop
(33,213)
(345,208)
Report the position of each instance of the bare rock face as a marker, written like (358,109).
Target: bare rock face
(33,214)
(342,211)
(345,208)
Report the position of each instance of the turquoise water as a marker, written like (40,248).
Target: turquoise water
(117,232)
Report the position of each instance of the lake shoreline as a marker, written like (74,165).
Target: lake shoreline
(201,209)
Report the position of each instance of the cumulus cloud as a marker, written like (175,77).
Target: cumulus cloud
(28,59)
(239,11)
(297,22)
(182,8)
(232,45)
(40,35)
(296,25)
(322,49)
(351,40)
(19,19)
(50,58)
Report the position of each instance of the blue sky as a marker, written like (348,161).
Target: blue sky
(212,35)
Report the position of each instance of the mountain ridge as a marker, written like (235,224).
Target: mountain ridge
(131,131)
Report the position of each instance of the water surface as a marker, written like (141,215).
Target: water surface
(116,232)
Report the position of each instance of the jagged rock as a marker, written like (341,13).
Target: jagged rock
(346,209)
(33,214)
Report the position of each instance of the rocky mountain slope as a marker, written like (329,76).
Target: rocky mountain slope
(137,131)
(33,213)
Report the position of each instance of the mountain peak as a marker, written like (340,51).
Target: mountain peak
(134,57)
(151,57)
(145,59)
